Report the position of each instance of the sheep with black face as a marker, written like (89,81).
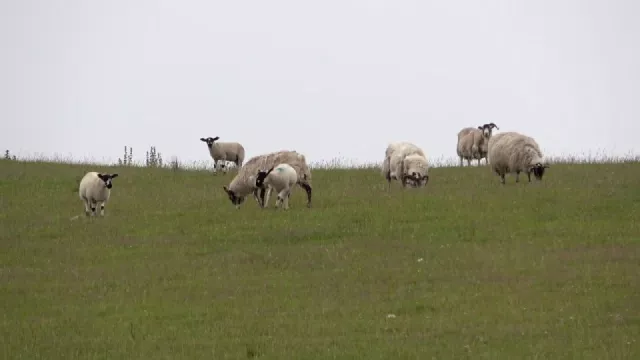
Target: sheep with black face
(221,152)
(473,143)
(512,152)
(95,188)
(281,178)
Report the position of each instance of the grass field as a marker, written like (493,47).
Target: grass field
(466,268)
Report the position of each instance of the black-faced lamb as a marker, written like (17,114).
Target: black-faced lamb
(221,152)
(473,143)
(512,152)
(281,178)
(244,183)
(95,188)
(406,162)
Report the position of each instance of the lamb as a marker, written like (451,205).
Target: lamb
(221,152)
(282,178)
(512,152)
(473,143)
(244,182)
(95,188)
(406,162)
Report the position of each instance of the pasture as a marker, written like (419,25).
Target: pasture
(466,268)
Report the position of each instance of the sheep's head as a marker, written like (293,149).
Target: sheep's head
(210,140)
(235,199)
(538,170)
(261,176)
(487,129)
(415,179)
(106,178)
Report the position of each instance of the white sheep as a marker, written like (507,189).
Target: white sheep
(512,152)
(281,178)
(244,183)
(473,143)
(95,188)
(406,162)
(221,152)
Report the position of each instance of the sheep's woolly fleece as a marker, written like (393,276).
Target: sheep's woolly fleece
(512,152)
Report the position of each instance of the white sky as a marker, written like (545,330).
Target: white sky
(331,78)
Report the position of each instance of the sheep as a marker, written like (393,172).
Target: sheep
(512,152)
(406,162)
(282,178)
(95,188)
(221,152)
(473,143)
(244,182)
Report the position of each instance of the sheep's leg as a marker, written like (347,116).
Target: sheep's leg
(501,176)
(529,176)
(87,207)
(307,188)
(266,197)
(461,162)
(258,194)
(281,196)
(263,192)
(93,208)
(102,209)
(517,176)
(468,162)
(284,198)
(223,166)
(387,176)
(287,198)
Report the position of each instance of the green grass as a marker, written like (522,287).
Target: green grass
(470,268)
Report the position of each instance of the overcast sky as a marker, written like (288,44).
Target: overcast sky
(330,78)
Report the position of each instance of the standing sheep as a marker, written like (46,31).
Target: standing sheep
(95,188)
(221,152)
(244,183)
(473,143)
(281,178)
(512,152)
(406,162)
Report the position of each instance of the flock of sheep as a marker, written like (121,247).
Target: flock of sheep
(508,152)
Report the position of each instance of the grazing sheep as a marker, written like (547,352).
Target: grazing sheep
(281,178)
(244,183)
(512,152)
(406,162)
(473,143)
(95,188)
(221,152)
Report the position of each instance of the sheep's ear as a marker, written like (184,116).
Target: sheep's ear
(479,127)
(114,176)
(224,187)
(203,139)
(216,138)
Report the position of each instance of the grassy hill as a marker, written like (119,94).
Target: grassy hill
(466,268)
